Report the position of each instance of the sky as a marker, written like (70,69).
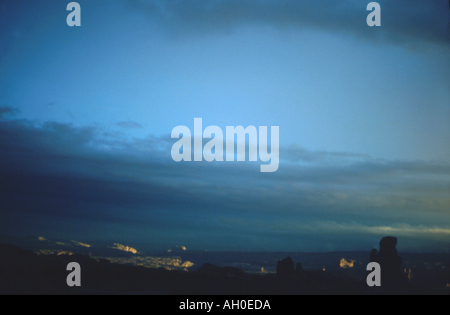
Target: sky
(86,115)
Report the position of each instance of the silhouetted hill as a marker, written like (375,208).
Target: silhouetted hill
(24,272)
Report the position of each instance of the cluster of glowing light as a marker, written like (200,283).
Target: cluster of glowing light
(347,264)
(124,248)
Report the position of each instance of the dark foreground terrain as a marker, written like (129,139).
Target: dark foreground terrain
(24,272)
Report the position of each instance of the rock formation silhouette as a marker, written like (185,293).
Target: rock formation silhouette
(389,260)
(285,267)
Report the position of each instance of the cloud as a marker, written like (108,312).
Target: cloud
(56,174)
(410,22)
(129,125)
(7,111)
(400,229)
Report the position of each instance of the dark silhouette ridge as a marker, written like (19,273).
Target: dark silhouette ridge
(24,272)
(211,270)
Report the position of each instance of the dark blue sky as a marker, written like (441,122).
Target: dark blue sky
(86,115)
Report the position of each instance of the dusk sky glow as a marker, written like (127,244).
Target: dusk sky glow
(86,115)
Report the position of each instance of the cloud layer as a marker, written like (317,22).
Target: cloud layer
(409,22)
(52,175)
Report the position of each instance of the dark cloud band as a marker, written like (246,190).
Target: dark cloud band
(409,22)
